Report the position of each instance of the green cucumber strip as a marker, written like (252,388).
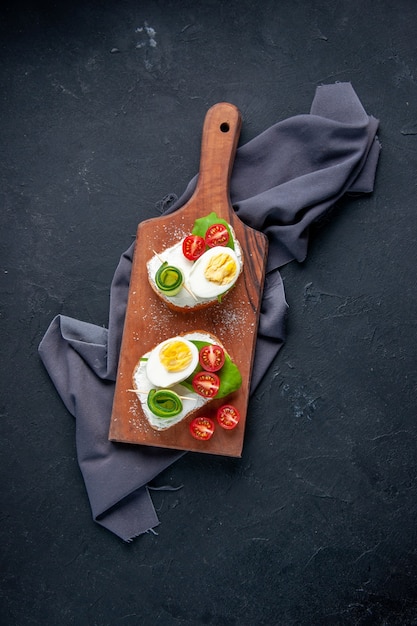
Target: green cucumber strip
(164,403)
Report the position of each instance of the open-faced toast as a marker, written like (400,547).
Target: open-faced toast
(181,375)
(200,269)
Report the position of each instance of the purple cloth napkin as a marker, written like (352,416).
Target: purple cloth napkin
(282,181)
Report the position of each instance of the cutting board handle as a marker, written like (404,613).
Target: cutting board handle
(219,141)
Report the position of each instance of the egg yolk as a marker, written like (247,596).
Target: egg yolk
(220,269)
(175,356)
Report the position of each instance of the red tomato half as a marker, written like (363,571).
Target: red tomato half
(206,384)
(212,357)
(193,247)
(217,235)
(228,416)
(202,428)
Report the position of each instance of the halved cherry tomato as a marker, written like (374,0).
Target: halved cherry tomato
(206,384)
(202,428)
(193,247)
(212,357)
(228,416)
(217,235)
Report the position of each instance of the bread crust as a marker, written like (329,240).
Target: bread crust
(198,306)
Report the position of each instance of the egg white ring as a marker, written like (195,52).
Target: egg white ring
(197,280)
(159,376)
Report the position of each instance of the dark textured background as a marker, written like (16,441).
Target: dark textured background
(316,524)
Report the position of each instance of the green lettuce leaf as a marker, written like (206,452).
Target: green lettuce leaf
(230,377)
(203,223)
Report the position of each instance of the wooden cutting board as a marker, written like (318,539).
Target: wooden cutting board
(234,321)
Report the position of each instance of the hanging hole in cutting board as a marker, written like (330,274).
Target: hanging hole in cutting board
(224,127)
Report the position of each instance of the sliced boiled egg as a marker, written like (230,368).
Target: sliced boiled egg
(214,273)
(171,362)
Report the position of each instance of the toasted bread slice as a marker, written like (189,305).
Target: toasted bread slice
(185,301)
(191,401)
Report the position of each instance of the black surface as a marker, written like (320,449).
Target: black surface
(316,524)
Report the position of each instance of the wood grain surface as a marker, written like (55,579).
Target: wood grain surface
(234,321)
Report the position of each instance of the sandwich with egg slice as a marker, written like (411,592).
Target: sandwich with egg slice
(181,375)
(200,269)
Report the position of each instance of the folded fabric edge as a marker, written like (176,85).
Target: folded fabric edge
(142,500)
(131,517)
